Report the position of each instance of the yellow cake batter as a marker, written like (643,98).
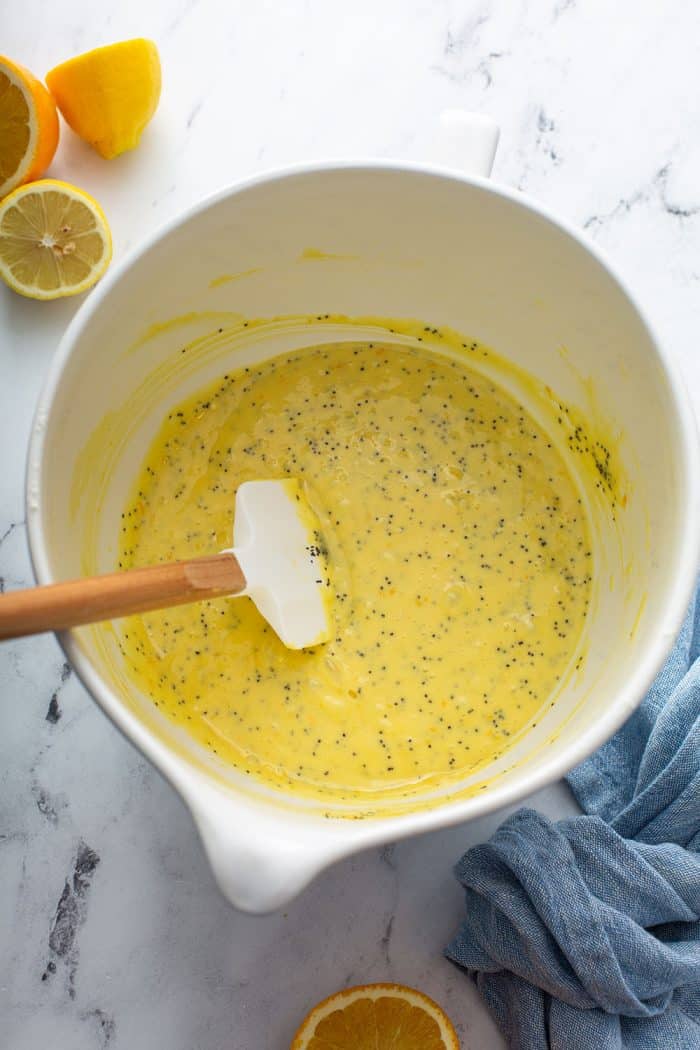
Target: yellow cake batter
(459,557)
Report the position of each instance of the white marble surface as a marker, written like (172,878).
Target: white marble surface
(600,115)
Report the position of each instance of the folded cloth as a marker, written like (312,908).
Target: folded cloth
(585,934)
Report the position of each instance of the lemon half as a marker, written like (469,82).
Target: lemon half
(54,240)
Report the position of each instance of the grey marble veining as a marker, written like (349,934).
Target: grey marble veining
(112,931)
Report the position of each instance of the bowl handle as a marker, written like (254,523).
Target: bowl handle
(466,142)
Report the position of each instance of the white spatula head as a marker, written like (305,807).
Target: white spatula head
(279,547)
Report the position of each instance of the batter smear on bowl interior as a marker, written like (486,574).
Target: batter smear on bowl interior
(459,554)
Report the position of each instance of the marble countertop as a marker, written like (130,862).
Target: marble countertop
(113,932)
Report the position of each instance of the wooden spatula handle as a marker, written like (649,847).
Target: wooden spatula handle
(61,605)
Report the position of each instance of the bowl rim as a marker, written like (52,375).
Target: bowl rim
(558,761)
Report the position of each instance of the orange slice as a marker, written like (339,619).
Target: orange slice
(28,126)
(54,240)
(377,1017)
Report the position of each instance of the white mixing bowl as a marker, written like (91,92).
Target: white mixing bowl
(369,240)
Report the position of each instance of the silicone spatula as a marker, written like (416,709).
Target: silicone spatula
(277,560)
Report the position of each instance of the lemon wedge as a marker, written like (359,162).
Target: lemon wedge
(108,95)
(54,240)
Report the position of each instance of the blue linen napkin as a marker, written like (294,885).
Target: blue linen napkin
(585,934)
